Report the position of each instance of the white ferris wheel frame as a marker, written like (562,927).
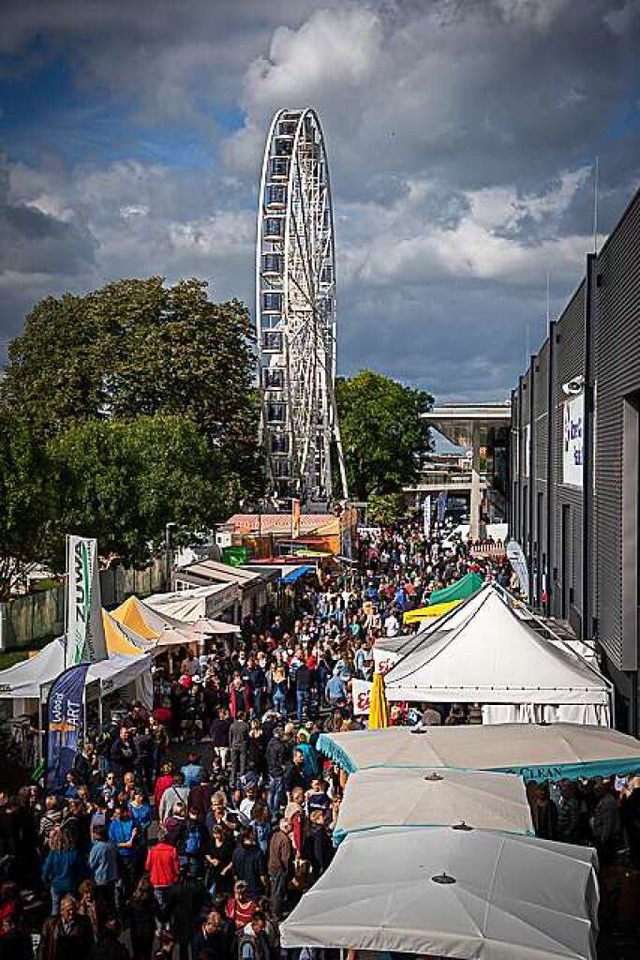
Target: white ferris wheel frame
(295,261)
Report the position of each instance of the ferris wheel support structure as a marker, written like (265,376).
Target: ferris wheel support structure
(296,311)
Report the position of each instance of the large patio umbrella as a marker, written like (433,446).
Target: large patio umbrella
(378,708)
(470,894)
(538,752)
(385,797)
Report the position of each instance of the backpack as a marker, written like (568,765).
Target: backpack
(193,844)
(249,948)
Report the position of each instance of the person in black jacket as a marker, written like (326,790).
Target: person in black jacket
(275,760)
(15,942)
(185,900)
(142,914)
(108,945)
(249,863)
(317,848)
(294,773)
(123,753)
(304,681)
(213,938)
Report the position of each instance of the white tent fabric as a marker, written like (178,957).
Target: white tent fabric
(186,606)
(512,897)
(383,798)
(492,656)
(25,680)
(536,752)
(593,713)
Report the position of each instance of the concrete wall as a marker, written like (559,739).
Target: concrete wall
(39,616)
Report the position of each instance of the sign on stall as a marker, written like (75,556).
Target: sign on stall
(361,693)
(383,659)
(573,419)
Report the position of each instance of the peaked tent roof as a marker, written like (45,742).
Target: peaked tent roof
(184,607)
(24,680)
(131,613)
(121,640)
(451,620)
(464,587)
(493,656)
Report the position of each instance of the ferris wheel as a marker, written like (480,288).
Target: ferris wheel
(296,311)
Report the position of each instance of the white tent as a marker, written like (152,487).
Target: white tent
(384,797)
(189,606)
(485,653)
(453,893)
(537,752)
(25,680)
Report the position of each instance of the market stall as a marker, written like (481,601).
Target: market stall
(484,653)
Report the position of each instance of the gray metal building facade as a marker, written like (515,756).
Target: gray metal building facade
(582,540)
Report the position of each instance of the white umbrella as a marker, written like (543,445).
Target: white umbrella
(386,797)
(537,752)
(474,895)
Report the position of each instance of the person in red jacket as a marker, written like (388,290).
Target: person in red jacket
(164,781)
(163,867)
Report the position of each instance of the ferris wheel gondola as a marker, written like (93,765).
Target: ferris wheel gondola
(296,311)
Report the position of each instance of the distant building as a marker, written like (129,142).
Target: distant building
(575,462)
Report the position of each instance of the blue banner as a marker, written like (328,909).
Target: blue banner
(442,506)
(65,721)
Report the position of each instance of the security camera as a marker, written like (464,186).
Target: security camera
(574,386)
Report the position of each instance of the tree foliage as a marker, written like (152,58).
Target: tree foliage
(383,432)
(137,401)
(25,506)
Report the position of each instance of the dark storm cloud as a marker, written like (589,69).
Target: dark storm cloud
(33,242)
(461,134)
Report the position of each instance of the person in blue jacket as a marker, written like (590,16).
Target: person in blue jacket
(62,868)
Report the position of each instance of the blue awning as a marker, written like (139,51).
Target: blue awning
(297,573)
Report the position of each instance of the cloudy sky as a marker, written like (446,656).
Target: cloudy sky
(461,135)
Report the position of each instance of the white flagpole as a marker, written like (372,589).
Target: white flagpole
(66,602)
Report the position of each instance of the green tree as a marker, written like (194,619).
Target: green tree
(25,507)
(140,399)
(383,432)
(123,480)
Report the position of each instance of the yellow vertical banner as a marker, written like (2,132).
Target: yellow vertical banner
(295,519)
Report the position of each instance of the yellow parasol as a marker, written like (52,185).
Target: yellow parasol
(378,708)
(437,610)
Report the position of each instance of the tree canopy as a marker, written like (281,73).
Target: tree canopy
(128,407)
(383,432)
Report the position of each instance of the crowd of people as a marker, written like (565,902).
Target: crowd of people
(191,828)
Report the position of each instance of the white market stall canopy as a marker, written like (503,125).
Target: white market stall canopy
(453,893)
(491,656)
(548,752)
(187,609)
(25,680)
(417,797)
